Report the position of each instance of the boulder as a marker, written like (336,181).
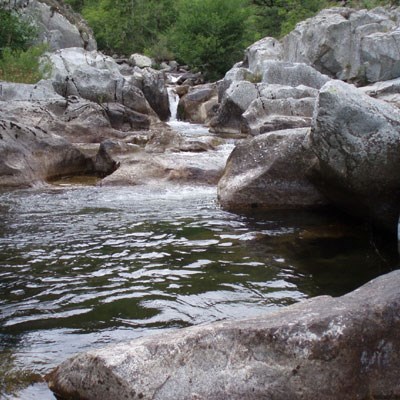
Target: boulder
(266,115)
(269,172)
(154,89)
(125,119)
(388,91)
(197,105)
(31,155)
(341,348)
(95,77)
(254,108)
(74,118)
(357,141)
(140,60)
(263,50)
(235,102)
(360,46)
(57,24)
(292,74)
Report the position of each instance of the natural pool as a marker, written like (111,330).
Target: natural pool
(82,267)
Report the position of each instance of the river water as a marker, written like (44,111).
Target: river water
(86,266)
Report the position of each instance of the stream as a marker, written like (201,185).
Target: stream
(87,266)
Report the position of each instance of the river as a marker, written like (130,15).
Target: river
(86,266)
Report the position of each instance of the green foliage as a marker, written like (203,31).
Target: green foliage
(278,17)
(127,26)
(210,35)
(23,66)
(14,32)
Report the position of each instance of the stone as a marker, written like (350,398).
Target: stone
(269,172)
(125,119)
(140,60)
(341,348)
(352,45)
(266,115)
(235,102)
(74,118)
(388,91)
(57,24)
(155,90)
(357,141)
(265,49)
(95,77)
(31,156)
(196,106)
(292,74)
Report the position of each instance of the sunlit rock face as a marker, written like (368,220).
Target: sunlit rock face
(333,348)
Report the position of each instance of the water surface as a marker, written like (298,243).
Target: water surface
(82,267)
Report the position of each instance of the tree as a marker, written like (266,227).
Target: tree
(128,26)
(15,34)
(210,35)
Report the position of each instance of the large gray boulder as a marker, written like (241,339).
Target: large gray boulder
(328,348)
(95,77)
(360,46)
(74,118)
(263,50)
(357,141)
(269,172)
(31,155)
(239,112)
(153,86)
(235,102)
(57,24)
(198,104)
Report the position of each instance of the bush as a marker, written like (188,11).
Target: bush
(15,33)
(23,66)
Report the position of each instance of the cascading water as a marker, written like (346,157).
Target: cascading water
(173,103)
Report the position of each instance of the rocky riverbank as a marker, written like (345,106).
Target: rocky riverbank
(317,119)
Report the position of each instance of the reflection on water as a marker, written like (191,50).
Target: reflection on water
(83,267)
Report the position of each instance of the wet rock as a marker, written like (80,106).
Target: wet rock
(357,141)
(342,348)
(269,172)
(57,24)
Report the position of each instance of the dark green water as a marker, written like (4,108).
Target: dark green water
(85,267)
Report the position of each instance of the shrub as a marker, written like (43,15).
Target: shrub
(15,33)
(23,66)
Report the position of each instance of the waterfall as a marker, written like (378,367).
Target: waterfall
(173,103)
